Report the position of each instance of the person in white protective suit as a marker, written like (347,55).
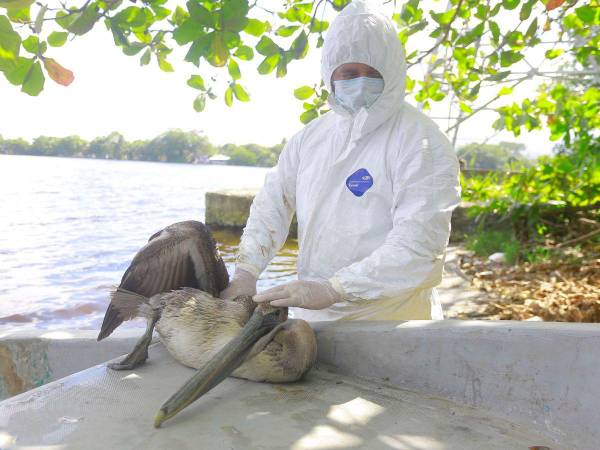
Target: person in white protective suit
(373,184)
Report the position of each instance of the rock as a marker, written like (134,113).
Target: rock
(497,257)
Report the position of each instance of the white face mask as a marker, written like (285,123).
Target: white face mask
(359,92)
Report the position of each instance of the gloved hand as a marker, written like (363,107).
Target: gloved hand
(304,294)
(242,283)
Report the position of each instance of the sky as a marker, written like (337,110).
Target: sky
(112,92)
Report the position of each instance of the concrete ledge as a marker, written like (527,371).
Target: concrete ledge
(544,374)
(29,359)
(105,409)
(230,208)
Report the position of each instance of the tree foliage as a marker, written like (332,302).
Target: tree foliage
(465,45)
(502,156)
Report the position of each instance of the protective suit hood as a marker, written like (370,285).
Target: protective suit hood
(361,35)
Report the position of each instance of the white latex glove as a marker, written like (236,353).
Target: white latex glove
(242,283)
(304,294)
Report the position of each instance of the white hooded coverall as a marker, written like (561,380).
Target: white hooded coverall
(373,193)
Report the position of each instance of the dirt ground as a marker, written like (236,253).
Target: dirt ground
(564,290)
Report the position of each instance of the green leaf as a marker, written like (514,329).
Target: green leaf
(234,70)
(233,15)
(34,80)
(130,17)
(498,76)
(15,5)
(495,29)
(10,42)
(164,65)
(304,92)
(515,40)
(65,18)
(482,12)
(551,54)
(282,67)
(508,58)
(58,38)
(472,35)
(18,71)
(85,20)
(200,14)
(229,96)
(286,31)
(32,44)
(526,9)
(318,26)
(510,4)
(197,82)
(266,46)
(232,40)
(299,47)
(187,32)
(269,64)
(200,102)
(299,12)
(145,59)
(465,108)
(240,93)
(256,27)
(444,18)
(19,15)
(199,48)
(586,13)
(532,28)
(160,12)
(134,48)
(179,16)
(308,115)
(244,53)
(505,90)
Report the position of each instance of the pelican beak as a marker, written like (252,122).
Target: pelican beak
(229,358)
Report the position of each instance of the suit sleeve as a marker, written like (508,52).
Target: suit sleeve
(426,190)
(271,213)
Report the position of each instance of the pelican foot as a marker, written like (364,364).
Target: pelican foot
(119,366)
(139,354)
(135,359)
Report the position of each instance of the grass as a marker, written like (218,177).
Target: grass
(486,242)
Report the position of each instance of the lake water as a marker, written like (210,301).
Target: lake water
(70,227)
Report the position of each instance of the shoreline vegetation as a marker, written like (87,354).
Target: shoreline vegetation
(192,147)
(174,146)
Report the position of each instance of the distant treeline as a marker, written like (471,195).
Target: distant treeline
(193,147)
(172,146)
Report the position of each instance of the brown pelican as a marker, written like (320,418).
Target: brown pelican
(174,281)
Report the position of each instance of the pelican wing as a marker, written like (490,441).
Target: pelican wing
(181,255)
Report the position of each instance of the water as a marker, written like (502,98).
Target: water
(70,227)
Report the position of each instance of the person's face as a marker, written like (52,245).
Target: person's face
(353,70)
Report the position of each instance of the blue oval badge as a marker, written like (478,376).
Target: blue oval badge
(359,182)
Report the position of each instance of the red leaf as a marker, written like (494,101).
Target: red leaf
(58,73)
(553,4)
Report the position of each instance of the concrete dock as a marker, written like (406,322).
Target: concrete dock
(409,385)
